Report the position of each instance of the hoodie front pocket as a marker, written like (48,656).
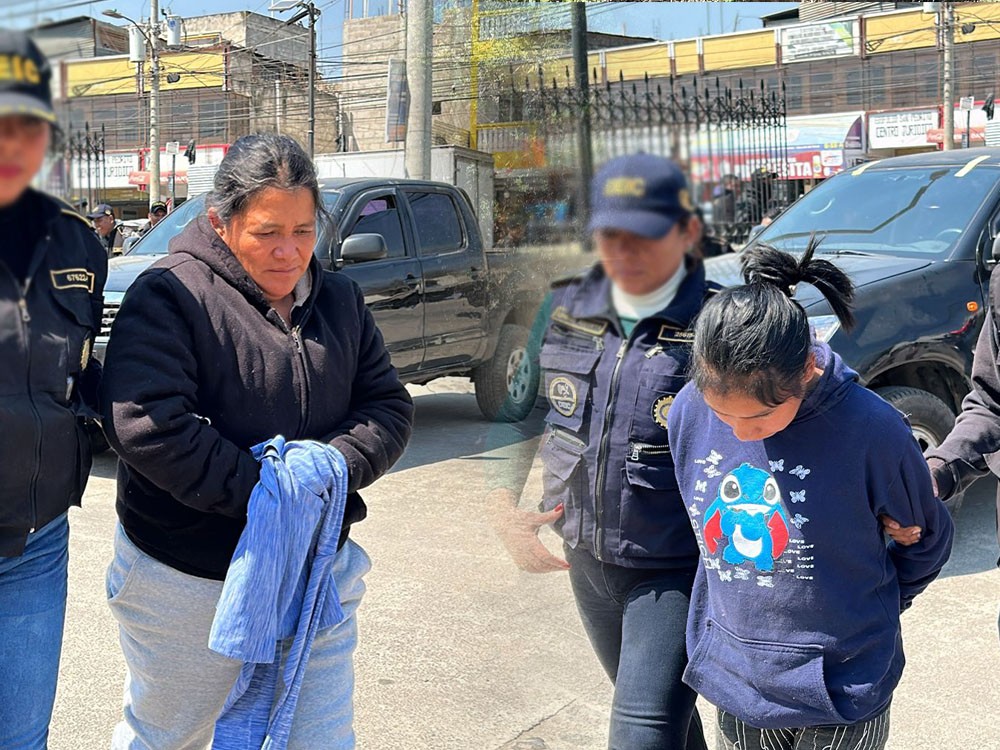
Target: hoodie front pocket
(768,685)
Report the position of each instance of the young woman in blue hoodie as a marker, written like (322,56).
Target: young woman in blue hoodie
(786,463)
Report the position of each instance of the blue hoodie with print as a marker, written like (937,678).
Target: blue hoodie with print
(794,616)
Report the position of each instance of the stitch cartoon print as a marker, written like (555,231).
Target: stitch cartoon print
(748,512)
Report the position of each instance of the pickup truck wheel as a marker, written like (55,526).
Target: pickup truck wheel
(929,416)
(506,386)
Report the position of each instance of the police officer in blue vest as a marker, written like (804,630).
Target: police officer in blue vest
(52,273)
(614,350)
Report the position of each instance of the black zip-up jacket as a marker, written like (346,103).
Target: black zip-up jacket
(48,381)
(200,368)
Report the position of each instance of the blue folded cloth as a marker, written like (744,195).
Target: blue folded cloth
(279,585)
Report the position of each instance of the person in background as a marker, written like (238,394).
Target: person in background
(972,448)
(157,210)
(765,221)
(234,338)
(107,228)
(710,245)
(789,469)
(52,274)
(614,345)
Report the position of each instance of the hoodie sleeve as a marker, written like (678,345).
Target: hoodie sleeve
(375,432)
(148,398)
(973,446)
(907,496)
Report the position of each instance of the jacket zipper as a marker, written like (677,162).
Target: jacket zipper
(602,452)
(22,304)
(296,333)
(571,440)
(637,450)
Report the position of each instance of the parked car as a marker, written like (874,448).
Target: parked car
(445,303)
(919,236)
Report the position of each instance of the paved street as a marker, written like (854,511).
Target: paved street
(461,651)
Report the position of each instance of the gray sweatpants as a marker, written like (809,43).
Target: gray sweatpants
(176,686)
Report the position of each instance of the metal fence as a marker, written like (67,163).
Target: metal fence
(730,140)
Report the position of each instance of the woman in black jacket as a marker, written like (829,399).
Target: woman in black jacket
(235,337)
(52,273)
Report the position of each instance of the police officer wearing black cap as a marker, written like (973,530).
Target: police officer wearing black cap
(157,211)
(613,355)
(108,229)
(52,273)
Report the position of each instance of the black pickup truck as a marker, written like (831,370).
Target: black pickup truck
(446,305)
(919,236)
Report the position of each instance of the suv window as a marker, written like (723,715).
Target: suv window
(439,228)
(380,215)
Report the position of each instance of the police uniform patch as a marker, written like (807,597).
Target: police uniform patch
(660,409)
(592,328)
(671,335)
(73,278)
(563,396)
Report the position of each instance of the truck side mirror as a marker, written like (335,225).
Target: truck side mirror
(361,247)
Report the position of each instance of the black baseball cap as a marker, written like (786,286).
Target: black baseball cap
(639,193)
(25,76)
(157,206)
(101,209)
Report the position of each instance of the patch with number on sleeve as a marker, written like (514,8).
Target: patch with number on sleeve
(73,278)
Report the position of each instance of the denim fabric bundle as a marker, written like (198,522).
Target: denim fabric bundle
(279,585)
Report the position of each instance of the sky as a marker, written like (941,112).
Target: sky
(661,20)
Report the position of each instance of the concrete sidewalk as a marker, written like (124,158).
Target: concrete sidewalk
(459,650)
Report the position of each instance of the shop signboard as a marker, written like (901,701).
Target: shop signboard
(907,129)
(819,40)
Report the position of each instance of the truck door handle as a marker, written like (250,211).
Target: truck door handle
(412,281)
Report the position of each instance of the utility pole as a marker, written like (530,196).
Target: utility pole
(154,102)
(308,9)
(947,23)
(313,12)
(419,37)
(581,75)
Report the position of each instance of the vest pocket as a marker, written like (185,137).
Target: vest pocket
(768,685)
(564,481)
(653,521)
(567,374)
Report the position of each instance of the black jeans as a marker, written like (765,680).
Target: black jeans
(635,619)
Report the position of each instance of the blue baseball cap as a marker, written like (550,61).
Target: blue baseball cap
(639,193)
(25,75)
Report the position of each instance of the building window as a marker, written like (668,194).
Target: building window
(904,85)
(793,93)
(855,94)
(821,92)
(212,119)
(876,89)
(182,120)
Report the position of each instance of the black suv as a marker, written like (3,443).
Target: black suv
(919,236)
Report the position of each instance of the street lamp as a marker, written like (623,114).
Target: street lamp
(307,9)
(154,92)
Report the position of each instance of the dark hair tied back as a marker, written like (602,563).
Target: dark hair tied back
(755,339)
(765,264)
